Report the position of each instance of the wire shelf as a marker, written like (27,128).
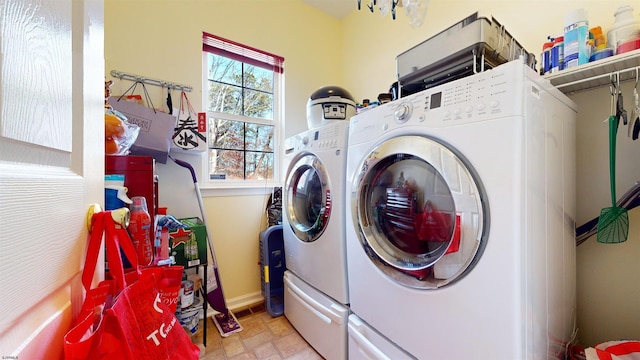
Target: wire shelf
(598,73)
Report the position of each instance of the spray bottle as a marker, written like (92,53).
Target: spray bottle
(140,230)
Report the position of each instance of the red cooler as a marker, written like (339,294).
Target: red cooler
(140,177)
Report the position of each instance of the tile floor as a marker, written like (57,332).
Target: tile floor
(262,337)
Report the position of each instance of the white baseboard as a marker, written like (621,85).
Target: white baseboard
(238,303)
(245,301)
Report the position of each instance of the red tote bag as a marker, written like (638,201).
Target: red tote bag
(127,317)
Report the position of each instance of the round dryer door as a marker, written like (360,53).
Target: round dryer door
(308,197)
(420,211)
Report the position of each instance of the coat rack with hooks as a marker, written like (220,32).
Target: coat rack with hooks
(145,80)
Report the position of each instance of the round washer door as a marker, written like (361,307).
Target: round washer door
(308,197)
(420,211)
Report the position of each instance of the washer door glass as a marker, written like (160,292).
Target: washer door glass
(418,209)
(308,197)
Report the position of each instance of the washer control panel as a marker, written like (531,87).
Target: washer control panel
(479,97)
(474,98)
(403,111)
(489,95)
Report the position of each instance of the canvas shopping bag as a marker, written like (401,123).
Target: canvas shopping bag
(156,127)
(125,317)
(190,134)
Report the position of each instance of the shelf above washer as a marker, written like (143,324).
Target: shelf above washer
(596,74)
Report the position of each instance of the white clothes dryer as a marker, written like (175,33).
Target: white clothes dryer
(460,232)
(316,290)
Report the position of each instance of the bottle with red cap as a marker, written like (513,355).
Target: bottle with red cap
(140,230)
(557,54)
(545,67)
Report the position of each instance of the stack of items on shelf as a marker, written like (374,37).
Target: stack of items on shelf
(164,241)
(186,240)
(580,44)
(477,43)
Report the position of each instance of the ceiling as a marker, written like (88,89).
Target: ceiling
(335,8)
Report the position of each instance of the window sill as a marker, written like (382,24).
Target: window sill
(212,190)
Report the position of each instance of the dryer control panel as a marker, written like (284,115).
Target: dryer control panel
(329,136)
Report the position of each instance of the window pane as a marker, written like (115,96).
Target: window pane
(241,109)
(225,98)
(259,137)
(225,70)
(226,134)
(258,78)
(259,165)
(226,165)
(258,104)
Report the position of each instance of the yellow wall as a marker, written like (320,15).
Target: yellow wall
(235,222)
(372,42)
(162,39)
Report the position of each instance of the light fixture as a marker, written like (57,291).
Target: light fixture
(414,9)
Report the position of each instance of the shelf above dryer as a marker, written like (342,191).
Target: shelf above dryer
(596,74)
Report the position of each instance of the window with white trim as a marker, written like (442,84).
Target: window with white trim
(243,100)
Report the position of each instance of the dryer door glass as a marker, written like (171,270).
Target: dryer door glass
(308,198)
(419,211)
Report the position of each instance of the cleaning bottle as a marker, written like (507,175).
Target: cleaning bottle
(577,49)
(624,31)
(140,230)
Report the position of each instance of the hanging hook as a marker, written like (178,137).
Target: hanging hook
(621,113)
(612,86)
(169,99)
(613,90)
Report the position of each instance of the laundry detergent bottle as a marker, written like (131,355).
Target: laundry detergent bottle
(140,230)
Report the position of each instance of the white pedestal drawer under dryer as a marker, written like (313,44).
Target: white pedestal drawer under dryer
(315,284)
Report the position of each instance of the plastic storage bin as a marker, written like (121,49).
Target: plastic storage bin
(272,270)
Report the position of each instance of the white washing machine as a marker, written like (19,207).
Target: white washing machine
(460,238)
(316,292)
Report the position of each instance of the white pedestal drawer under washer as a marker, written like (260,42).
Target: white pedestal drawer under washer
(461,207)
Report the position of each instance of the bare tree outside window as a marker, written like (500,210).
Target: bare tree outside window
(240,115)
